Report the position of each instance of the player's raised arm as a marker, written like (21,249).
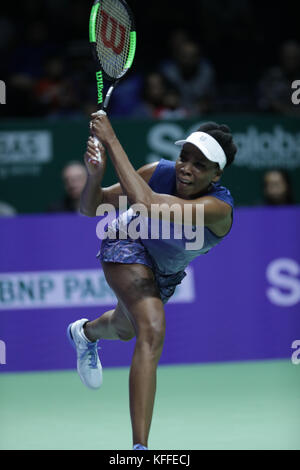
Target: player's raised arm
(112,193)
(201,164)
(132,184)
(92,194)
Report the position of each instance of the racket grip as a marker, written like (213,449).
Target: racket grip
(95,139)
(101,112)
(97,142)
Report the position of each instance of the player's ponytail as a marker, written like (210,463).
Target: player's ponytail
(222,134)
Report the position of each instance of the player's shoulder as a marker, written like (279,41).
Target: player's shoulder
(147,170)
(218,200)
(222,194)
(163,166)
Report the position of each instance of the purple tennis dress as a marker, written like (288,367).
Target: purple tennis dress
(169,257)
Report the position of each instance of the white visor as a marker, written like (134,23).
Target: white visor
(208,146)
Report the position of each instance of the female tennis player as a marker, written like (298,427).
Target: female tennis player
(143,273)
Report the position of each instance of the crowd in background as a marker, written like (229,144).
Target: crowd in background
(193,60)
(217,56)
(276,188)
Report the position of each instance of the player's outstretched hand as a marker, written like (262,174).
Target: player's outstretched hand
(95,165)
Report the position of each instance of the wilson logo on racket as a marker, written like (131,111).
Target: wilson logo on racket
(99,79)
(111,42)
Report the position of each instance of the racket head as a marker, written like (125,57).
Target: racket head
(113,40)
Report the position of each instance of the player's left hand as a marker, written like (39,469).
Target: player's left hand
(101,128)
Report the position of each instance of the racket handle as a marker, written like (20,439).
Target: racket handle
(97,142)
(95,139)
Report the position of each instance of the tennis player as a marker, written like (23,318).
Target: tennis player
(144,273)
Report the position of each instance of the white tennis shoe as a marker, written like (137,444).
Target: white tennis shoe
(88,363)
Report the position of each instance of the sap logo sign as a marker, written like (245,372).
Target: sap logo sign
(284,276)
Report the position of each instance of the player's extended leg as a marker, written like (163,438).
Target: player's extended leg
(136,288)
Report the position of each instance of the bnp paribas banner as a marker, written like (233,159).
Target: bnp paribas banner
(239,302)
(67,289)
(33,153)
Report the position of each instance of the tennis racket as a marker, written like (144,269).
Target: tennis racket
(113,42)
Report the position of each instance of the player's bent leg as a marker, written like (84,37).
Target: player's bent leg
(113,324)
(84,336)
(88,363)
(136,288)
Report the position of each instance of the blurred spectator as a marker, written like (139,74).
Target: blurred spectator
(152,95)
(21,97)
(234,32)
(7,32)
(25,65)
(74,178)
(275,88)
(176,37)
(82,77)
(226,19)
(171,105)
(55,92)
(159,99)
(7,38)
(277,188)
(193,76)
(6,210)
(28,57)
(127,96)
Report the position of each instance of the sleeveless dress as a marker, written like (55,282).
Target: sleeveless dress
(169,257)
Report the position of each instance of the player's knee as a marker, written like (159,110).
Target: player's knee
(152,335)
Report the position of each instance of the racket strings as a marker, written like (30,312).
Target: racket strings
(113,28)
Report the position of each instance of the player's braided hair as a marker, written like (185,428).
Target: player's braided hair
(223,136)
